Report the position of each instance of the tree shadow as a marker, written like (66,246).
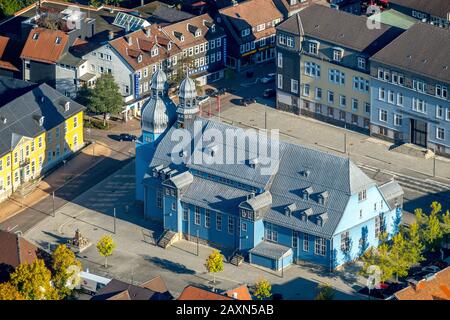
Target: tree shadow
(169,265)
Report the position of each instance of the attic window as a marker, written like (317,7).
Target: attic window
(67,106)
(290,209)
(306,173)
(139,59)
(169,46)
(182,38)
(198,33)
(41,121)
(321,219)
(306,213)
(154,52)
(213,28)
(323,197)
(307,192)
(36,36)
(58,40)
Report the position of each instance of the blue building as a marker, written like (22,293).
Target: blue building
(410,79)
(276,205)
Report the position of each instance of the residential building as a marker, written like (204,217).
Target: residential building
(351,6)
(194,293)
(250,27)
(320,208)
(154,289)
(38,129)
(204,47)
(290,7)
(433,287)
(410,79)
(132,60)
(162,14)
(239,293)
(323,65)
(436,12)
(14,251)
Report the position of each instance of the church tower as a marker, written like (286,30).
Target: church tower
(188,108)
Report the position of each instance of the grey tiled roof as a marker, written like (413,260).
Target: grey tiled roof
(260,201)
(339,27)
(22,113)
(392,192)
(214,195)
(12,88)
(422,49)
(438,8)
(270,250)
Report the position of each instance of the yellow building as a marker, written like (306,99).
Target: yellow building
(38,130)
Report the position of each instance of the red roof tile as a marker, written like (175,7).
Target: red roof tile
(239,293)
(194,293)
(15,250)
(42,45)
(436,287)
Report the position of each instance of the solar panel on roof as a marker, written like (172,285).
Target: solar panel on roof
(129,22)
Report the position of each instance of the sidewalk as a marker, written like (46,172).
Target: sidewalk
(87,158)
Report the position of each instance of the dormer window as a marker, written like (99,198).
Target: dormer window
(154,52)
(245,32)
(290,209)
(321,219)
(169,46)
(198,33)
(306,214)
(58,40)
(139,59)
(323,198)
(41,121)
(36,36)
(338,53)
(313,47)
(253,162)
(307,193)
(213,28)
(67,106)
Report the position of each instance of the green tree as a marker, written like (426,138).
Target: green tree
(65,267)
(214,263)
(9,292)
(325,292)
(105,97)
(415,246)
(33,281)
(105,247)
(263,289)
(399,256)
(432,227)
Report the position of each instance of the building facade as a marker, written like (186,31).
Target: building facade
(251,36)
(320,208)
(323,65)
(38,130)
(409,89)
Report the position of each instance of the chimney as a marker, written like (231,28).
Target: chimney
(111,35)
(130,40)
(148,32)
(235,295)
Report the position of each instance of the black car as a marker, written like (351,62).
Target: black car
(269,93)
(246,101)
(127,137)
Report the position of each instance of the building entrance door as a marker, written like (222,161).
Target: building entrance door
(419,132)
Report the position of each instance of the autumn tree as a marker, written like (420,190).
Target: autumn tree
(33,281)
(214,263)
(263,289)
(105,97)
(325,292)
(9,292)
(105,247)
(66,268)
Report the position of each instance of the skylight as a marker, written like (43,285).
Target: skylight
(129,22)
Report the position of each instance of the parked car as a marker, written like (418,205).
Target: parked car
(269,93)
(268,78)
(247,101)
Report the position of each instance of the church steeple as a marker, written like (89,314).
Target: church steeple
(188,108)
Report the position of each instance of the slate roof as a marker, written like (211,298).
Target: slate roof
(165,14)
(119,290)
(214,195)
(12,88)
(335,175)
(438,8)
(422,49)
(23,112)
(339,27)
(270,250)
(393,193)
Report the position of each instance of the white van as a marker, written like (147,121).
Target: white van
(92,282)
